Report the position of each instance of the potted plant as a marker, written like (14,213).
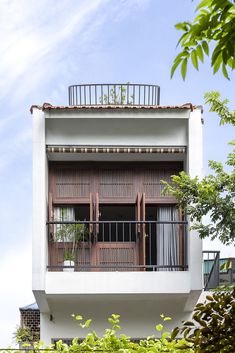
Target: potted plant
(71,235)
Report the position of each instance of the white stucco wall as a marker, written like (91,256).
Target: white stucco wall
(195,168)
(145,282)
(118,132)
(139,315)
(39,240)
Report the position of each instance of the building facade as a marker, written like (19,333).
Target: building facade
(105,238)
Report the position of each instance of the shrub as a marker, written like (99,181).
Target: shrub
(213,329)
(112,342)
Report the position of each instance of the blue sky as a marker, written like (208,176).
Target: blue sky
(47,45)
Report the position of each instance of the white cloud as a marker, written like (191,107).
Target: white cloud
(42,45)
(27,41)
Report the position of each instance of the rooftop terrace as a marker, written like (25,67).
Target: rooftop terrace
(114,94)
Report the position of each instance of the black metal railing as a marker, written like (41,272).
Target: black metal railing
(114,94)
(211,269)
(217,272)
(117,246)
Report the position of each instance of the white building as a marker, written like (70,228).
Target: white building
(98,165)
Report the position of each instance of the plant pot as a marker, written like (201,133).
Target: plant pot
(69,263)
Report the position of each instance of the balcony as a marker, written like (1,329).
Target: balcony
(117,246)
(114,94)
(216,271)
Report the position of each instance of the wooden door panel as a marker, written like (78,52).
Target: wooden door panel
(113,254)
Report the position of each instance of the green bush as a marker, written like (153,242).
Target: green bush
(213,328)
(112,342)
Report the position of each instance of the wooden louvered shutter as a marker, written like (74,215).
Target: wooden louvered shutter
(72,184)
(91,226)
(50,214)
(97,212)
(152,182)
(142,247)
(137,212)
(116,184)
(152,186)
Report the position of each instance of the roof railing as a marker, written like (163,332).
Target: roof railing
(125,94)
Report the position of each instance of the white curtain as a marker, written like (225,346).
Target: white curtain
(167,238)
(61,214)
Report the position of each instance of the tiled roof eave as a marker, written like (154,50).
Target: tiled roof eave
(50,107)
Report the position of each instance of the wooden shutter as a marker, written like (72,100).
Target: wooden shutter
(71,184)
(142,247)
(116,184)
(50,215)
(97,212)
(137,212)
(152,182)
(112,254)
(91,226)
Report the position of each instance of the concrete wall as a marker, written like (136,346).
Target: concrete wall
(39,241)
(118,282)
(118,132)
(138,315)
(195,168)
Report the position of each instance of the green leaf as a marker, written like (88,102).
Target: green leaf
(87,323)
(174,66)
(181,26)
(167,318)
(175,333)
(205,47)
(225,72)
(217,63)
(200,53)
(189,323)
(115,316)
(78,317)
(184,68)
(159,327)
(203,3)
(194,59)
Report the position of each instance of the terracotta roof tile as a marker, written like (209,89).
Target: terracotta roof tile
(48,106)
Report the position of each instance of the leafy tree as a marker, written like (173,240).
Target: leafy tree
(215,193)
(214,24)
(213,328)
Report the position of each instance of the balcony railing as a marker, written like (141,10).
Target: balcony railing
(217,272)
(117,246)
(114,94)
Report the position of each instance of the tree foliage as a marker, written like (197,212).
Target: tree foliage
(112,341)
(215,25)
(213,195)
(213,325)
